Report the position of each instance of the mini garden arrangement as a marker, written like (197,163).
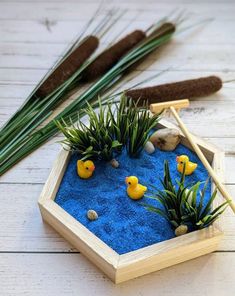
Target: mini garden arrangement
(112,158)
(132,185)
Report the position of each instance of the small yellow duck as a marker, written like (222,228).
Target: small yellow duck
(85,169)
(135,190)
(190,167)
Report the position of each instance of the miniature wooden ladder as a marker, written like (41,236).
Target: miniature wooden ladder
(174,107)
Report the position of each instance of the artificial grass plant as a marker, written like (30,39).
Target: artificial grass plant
(109,131)
(185,205)
(93,141)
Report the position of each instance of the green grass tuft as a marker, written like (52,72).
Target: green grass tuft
(181,206)
(109,131)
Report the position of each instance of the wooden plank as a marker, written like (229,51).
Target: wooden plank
(18,91)
(206,119)
(226,144)
(52,30)
(22,228)
(72,274)
(73,10)
(35,168)
(31,49)
(66,11)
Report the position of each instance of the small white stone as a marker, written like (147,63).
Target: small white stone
(92,215)
(181,230)
(114,163)
(149,148)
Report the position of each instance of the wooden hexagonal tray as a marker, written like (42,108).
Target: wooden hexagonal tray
(117,267)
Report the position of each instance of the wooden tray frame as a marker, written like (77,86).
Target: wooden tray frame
(121,268)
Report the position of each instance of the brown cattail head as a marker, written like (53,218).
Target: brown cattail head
(176,91)
(163,30)
(69,66)
(111,56)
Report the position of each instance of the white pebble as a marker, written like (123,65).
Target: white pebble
(181,230)
(149,148)
(114,163)
(92,215)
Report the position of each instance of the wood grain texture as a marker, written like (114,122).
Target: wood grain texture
(168,253)
(24,58)
(72,274)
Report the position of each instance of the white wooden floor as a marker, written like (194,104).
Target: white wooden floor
(34,259)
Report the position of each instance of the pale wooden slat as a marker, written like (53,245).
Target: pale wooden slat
(64,31)
(13,75)
(34,169)
(22,228)
(21,48)
(72,274)
(39,11)
(226,144)
(18,91)
(72,9)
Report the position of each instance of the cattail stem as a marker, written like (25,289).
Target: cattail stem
(177,90)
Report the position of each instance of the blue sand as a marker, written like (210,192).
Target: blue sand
(123,224)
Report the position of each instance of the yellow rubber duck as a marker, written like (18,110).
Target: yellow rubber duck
(85,169)
(190,167)
(135,190)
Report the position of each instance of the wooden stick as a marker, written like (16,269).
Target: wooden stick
(158,107)
(203,159)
